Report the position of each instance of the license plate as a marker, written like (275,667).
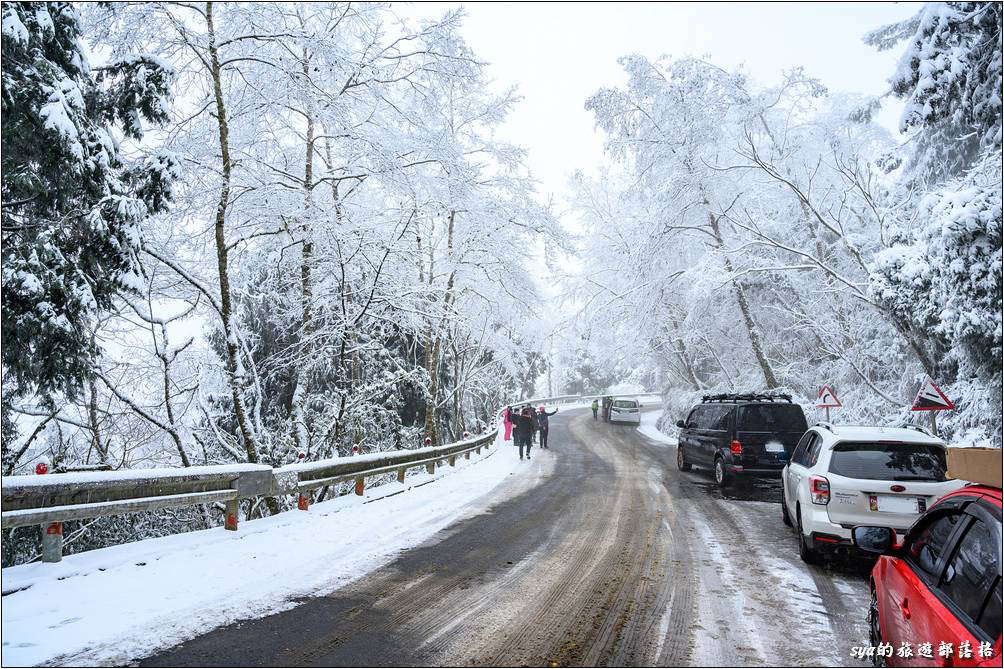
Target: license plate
(774,447)
(895,504)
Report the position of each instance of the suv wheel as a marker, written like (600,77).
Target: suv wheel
(681,460)
(785,518)
(808,555)
(874,629)
(721,474)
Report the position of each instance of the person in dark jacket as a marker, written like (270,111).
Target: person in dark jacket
(542,424)
(522,424)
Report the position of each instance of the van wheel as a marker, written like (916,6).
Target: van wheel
(785,518)
(808,555)
(721,474)
(681,460)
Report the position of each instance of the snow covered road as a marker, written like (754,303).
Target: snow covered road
(113,605)
(602,553)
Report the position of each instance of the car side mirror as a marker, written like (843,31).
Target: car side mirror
(680,423)
(878,540)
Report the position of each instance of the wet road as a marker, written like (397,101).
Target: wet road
(615,558)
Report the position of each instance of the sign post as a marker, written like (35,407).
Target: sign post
(827,400)
(931,398)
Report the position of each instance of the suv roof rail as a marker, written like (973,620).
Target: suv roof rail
(918,428)
(747,397)
(826,426)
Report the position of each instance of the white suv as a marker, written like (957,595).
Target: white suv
(841,476)
(625,411)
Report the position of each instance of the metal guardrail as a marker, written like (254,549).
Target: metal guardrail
(52,499)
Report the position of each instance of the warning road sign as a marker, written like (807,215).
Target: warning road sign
(827,399)
(930,398)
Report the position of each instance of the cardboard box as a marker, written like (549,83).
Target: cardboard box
(979,465)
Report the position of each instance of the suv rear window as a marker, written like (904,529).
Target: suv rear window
(889,461)
(772,418)
(625,404)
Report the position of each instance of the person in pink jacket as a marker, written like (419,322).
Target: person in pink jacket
(508,424)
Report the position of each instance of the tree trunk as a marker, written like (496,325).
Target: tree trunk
(221,253)
(92,420)
(301,438)
(744,307)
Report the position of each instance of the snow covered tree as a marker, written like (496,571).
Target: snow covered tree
(950,77)
(942,270)
(72,204)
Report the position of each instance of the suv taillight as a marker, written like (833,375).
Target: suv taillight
(819,490)
(737,448)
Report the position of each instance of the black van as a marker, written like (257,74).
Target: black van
(740,434)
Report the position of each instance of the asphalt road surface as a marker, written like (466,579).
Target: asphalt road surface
(614,558)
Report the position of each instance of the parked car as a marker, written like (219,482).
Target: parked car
(942,584)
(750,435)
(625,411)
(841,476)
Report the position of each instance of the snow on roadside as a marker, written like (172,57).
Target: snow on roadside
(113,605)
(648,428)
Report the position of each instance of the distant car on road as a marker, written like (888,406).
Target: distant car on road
(841,476)
(740,435)
(943,584)
(625,411)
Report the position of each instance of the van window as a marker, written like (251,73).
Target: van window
(889,461)
(723,420)
(772,418)
(714,416)
(625,404)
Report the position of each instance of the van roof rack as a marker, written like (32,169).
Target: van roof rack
(826,426)
(747,397)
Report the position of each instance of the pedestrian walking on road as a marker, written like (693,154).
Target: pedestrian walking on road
(507,422)
(596,407)
(542,424)
(522,424)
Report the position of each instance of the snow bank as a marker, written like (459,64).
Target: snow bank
(113,605)
(649,429)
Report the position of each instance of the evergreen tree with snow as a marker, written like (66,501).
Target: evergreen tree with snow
(72,205)
(942,270)
(950,78)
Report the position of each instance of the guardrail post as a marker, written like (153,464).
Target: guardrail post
(52,542)
(431,467)
(467,455)
(303,501)
(232,511)
(360,485)
(52,533)
(400,475)
(452,460)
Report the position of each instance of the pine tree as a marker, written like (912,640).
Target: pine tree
(950,77)
(942,269)
(72,206)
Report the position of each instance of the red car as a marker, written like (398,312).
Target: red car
(941,586)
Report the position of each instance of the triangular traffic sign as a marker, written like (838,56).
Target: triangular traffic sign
(930,398)
(827,399)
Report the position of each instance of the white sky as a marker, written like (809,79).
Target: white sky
(558,54)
